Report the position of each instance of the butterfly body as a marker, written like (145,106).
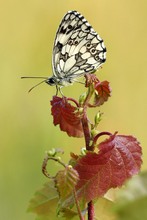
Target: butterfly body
(59,81)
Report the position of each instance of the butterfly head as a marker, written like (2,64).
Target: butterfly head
(52,81)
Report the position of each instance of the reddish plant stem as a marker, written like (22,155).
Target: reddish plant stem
(98,136)
(90,210)
(85,119)
(73,100)
(44,165)
(86,129)
(77,205)
(87,141)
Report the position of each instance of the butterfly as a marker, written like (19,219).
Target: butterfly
(77,50)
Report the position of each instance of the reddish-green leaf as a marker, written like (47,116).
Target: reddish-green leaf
(65,181)
(65,115)
(118,159)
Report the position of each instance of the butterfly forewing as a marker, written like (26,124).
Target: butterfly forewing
(78,49)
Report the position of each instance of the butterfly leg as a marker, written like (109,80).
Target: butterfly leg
(61,90)
(57,89)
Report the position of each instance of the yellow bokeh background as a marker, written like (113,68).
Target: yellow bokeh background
(27,34)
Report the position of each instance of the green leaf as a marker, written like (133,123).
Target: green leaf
(45,201)
(68,213)
(132,201)
(102,211)
(65,181)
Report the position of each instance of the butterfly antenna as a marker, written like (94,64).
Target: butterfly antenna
(34,77)
(36,85)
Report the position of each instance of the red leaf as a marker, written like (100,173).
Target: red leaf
(102,93)
(118,159)
(64,115)
(90,78)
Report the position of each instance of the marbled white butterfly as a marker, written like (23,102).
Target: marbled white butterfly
(77,50)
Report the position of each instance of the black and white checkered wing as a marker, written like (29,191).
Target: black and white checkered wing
(78,49)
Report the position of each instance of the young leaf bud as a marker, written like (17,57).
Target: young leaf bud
(98,118)
(52,152)
(82,98)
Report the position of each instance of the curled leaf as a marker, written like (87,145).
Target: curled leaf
(102,93)
(66,116)
(90,79)
(102,89)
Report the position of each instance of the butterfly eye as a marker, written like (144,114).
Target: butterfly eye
(50,81)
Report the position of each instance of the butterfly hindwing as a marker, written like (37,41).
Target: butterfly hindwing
(78,49)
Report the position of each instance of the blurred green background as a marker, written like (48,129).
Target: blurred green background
(27,34)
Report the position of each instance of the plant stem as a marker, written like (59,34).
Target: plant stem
(90,210)
(44,165)
(77,205)
(85,119)
(98,136)
(86,129)
(73,100)
(87,141)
